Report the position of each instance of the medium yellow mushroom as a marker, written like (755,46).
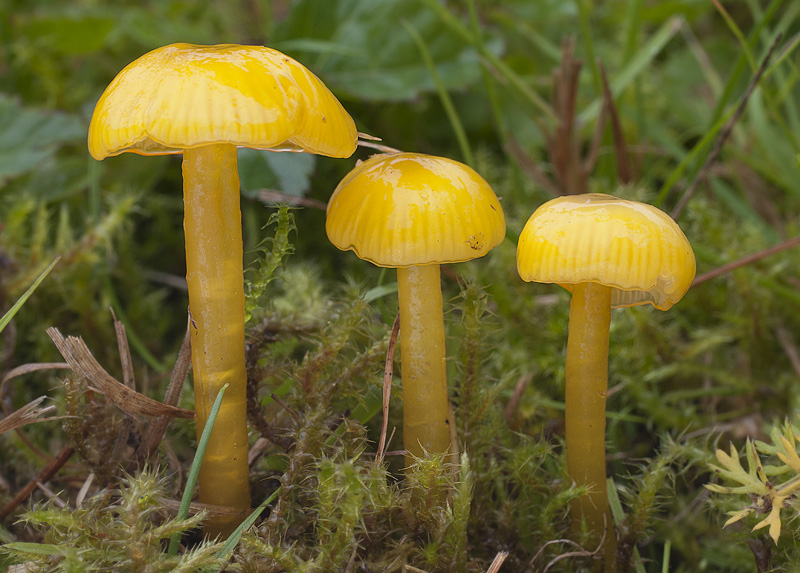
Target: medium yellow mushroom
(203,102)
(608,253)
(415,212)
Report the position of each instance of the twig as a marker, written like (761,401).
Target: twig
(787,343)
(554,542)
(42,477)
(567,556)
(562,146)
(19,371)
(351,564)
(389,441)
(154,432)
(280,402)
(725,131)
(124,353)
(28,414)
(530,167)
(752,258)
(172,281)
(581,551)
(84,489)
(51,495)
(257,450)
(27,369)
(388,370)
(513,403)
(497,562)
(273,196)
(368,136)
(391,453)
(380,147)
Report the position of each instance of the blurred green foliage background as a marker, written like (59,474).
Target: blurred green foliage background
(471,80)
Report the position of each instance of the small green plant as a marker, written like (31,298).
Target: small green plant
(272,254)
(517,90)
(121,529)
(771,487)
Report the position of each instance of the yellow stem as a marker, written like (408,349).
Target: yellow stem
(213,229)
(587,385)
(426,416)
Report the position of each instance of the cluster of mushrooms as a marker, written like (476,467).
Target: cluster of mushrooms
(409,211)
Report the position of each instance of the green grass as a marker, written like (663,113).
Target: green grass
(471,81)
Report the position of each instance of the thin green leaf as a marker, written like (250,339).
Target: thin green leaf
(588,43)
(194,471)
(736,31)
(44,549)
(233,539)
(635,66)
(17,305)
(499,65)
(444,95)
(700,147)
(380,291)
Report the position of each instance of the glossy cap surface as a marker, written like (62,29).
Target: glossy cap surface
(630,246)
(404,209)
(183,96)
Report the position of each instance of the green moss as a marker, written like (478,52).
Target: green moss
(719,368)
(119,529)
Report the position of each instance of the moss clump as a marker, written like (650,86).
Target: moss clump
(120,529)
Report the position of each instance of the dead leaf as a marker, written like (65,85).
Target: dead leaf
(28,414)
(80,359)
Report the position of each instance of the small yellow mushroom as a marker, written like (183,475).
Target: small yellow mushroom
(608,253)
(204,101)
(415,212)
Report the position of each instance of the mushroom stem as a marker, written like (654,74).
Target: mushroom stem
(587,385)
(213,228)
(426,412)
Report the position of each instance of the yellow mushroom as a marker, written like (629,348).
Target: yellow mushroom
(415,212)
(204,101)
(608,253)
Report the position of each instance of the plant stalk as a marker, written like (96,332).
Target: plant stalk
(213,229)
(587,386)
(426,412)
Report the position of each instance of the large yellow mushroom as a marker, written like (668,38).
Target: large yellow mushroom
(608,253)
(416,212)
(204,101)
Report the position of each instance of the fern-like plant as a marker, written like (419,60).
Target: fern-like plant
(771,487)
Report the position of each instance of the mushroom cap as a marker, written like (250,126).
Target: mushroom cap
(630,246)
(183,96)
(405,209)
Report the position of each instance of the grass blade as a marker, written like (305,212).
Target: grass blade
(635,66)
(500,124)
(588,43)
(194,471)
(17,305)
(499,65)
(619,516)
(699,148)
(230,543)
(444,96)
(739,66)
(736,31)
